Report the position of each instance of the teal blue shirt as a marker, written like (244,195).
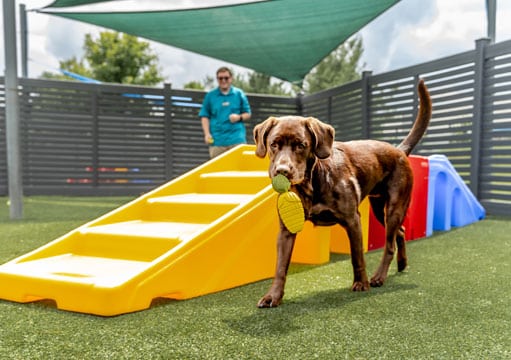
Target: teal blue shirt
(217,107)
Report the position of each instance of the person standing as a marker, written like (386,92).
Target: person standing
(223,113)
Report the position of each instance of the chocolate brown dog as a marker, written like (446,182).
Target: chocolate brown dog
(332,178)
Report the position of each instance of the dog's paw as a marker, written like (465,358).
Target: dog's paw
(268,301)
(360,286)
(377,281)
(401,264)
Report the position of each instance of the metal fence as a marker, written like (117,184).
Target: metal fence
(91,139)
(471,122)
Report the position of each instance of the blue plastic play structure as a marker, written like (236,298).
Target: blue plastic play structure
(450,201)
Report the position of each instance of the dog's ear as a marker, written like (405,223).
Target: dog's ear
(261,134)
(323,136)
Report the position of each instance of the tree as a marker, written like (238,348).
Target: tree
(341,66)
(116,58)
(71,65)
(259,83)
(207,84)
(194,85)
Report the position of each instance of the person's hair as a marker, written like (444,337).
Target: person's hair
(224,69)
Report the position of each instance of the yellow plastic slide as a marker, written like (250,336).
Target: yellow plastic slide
(211,229)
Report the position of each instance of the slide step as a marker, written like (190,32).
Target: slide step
(193,207)
(233,182)
(151,229)
(249,161)
(202,199)
(72,268)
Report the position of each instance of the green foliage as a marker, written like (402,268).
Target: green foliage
(340,67)
(259,83)
(73,65)
(207,84)
(194,85)
(121,58)
(115,58)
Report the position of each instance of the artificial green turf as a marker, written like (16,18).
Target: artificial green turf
(454,302)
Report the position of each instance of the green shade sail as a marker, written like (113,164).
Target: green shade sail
(67,3)
(281,38)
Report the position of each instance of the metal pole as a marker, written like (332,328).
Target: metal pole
(491,15)
(24,40)
(12,128)
(475,152)
(366,103)
(169,119)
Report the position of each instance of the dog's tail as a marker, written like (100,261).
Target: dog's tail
(421,122)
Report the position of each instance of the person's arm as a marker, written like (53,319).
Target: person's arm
(204,115)
(244,116)
(245,113)
(208,139)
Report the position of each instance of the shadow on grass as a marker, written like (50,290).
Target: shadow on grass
(292,315)
(299,268)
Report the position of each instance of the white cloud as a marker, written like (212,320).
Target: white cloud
(411,32)
(180,67)
(416,31)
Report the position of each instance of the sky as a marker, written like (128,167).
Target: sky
(409,33)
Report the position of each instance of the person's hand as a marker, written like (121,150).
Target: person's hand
(234,118)
(208,139)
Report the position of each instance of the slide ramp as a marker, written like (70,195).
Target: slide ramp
(211,229)
(450,201)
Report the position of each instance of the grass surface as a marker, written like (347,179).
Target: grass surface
(454,302)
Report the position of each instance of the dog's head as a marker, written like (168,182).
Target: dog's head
(291,143)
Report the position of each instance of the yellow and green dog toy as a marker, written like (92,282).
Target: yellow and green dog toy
(289,204)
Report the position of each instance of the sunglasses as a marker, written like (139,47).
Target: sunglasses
(223,78)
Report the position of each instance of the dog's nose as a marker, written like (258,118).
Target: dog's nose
(282,170)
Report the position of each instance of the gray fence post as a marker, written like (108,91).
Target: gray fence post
(416,80)
(329,110)
(299,103)
(366,103)
(475,152)
(95,135)
(169,159)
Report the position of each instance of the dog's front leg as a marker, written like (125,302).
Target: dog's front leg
(285,243)
(354,230)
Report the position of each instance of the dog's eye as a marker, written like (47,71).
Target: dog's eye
(274,146)
(301,146)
